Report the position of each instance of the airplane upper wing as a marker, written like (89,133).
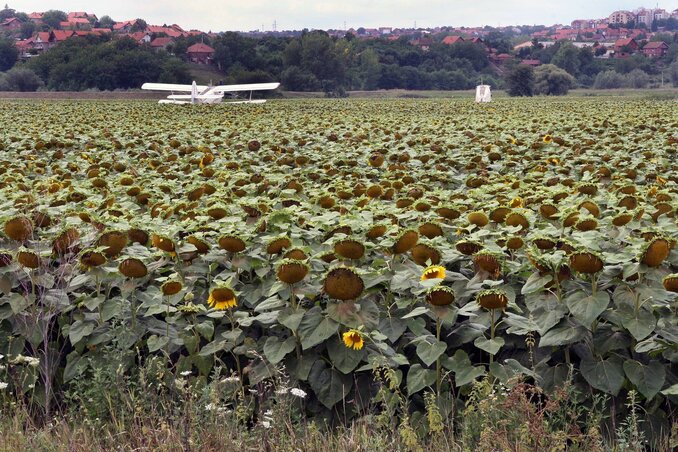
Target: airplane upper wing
(171,87)
(247,87)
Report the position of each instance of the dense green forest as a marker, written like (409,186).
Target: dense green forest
(316,61)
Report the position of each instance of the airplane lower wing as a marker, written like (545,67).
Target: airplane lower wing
(198,97)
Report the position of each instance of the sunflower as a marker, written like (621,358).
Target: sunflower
(133,268)
(232,244)
(353,339)
(28,259)
(433,272)
(656,251)
(547,139)
(222,298)
(349,249)
(114,240)
(422,253)
(586,262)
(163,243)
(440,296)
(278,245)
(670,282)
(19,228)
(405,241)
(517,202)
(343,284)
(492,299)
(92,258)
(291,271)
(171,287)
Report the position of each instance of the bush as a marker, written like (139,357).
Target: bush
(20,79)
(609,80)
(551,80)
(674,74)
(520,81)
(637,78)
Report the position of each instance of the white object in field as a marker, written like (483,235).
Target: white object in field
(483,93)
(201,94)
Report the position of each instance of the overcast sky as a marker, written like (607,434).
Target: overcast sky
(246,15)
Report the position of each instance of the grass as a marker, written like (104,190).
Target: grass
(204,74)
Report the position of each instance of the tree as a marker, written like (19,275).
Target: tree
(673,70)
(609,80)
(27,30)
(6,13)
(53,18)
(551,80)
(567,57)
(106,22)
(520,81)
(8,54)
(21,79)
(637,78)
(139,25)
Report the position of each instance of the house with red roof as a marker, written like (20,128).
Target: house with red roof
(141,37)
(449,40)
(625,47)
(655,49)
(36,18)
(533,63)
(162,43)
(200,53)
(10,24)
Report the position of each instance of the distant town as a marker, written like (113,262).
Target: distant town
(78,50)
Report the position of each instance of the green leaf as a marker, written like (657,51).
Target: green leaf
(155,343)
(392,328)
(316,328)
(640,324)
(671,390)
(416,312)
(535,282)
(205,329)
(215,346)
(329,385)
(606,375)
(587,308)
(18,302)
(75,365)
(430,351)
(648,378)
(343,358)
(419,378)
(491,346)
(291,318)
(464,371)
(275,349)
(78,330)
(562,335)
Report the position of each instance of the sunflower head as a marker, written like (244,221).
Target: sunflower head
(492,299)
(92,258)
(349,249)
(670,282)
(343,284)
(488,261)
(232,243)
(114,241)
(19,228)
(433,272)
(468,247)
(517,219)
(278,245)
(133,268)
(291,271)
(163,243)
(586,262)
(376,231)
(478,218)
(656,251)
(440,296)
(222,297)
(422,253)
(171,287)
(65,242)
(28,258)
(353,339)
(547,139)
(405,241)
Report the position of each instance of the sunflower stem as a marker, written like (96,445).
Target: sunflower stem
(439,325)
(594,285)
(492,331)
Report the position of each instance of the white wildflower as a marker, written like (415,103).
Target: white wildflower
(2,356)
(282,391)
(186,373)
(33,362)
(209,407)
(266,424)
(230,380)
(3,385)
(298,392)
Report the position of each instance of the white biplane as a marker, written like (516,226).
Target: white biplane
(203,94)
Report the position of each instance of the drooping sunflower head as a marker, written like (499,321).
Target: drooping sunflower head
(90,258)
(468,247)
(343,284)
(65,241)
(291,271)
(440,296)
(171,287)
(349,249)
(163,243)
(232,243)
(28,258)
(278,245)
(656,251)
(517,219)
(222,297)
(488,261)
(114,241)
(670,282)
(19,228)
(422,253)
(405,241)
(376,231)
(586,262)
(478,218)
(133,268)
(492,299)
(353,339)
(433,272)
(430,230)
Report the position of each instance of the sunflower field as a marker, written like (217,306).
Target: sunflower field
(362,249)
